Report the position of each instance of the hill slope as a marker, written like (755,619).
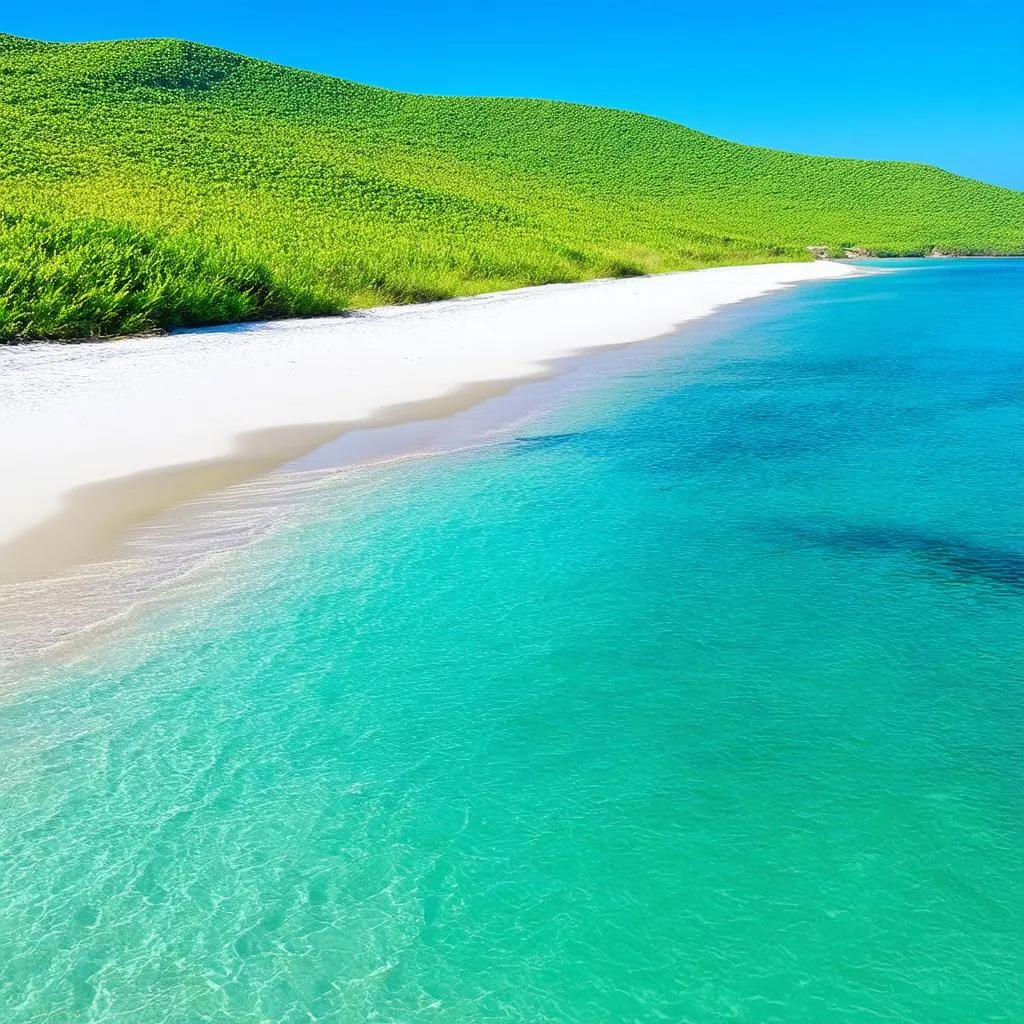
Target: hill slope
(157,183)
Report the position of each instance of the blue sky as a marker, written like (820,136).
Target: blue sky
(940,81)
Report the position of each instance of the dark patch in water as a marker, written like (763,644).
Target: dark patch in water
(548,442)
(800,369)
(759,431)
(959,558)
(1007,393)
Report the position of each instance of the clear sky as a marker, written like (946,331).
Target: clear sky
(941,81)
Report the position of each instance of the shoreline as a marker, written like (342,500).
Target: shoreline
(101,438)
(176,552)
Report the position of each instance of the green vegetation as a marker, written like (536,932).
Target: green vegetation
(151,184)
(89,277)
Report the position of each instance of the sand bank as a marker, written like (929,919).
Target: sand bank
(97,437)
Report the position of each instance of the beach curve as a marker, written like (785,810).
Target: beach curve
(101,436)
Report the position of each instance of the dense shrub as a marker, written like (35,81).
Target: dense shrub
(89,278)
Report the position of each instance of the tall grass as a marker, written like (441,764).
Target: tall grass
(90,278)
(155,183)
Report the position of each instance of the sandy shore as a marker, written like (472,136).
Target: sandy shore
(98,437)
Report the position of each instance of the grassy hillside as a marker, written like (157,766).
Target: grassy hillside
(157,183)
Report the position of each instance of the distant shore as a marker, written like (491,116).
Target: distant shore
(100,437)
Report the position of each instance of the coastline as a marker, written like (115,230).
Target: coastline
(102,437)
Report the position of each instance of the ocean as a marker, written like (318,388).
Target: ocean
(696,695)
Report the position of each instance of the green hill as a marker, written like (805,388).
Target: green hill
(157,183)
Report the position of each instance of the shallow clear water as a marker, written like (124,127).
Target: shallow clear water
(699,700)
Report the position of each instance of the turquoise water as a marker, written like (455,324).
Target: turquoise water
(700,699)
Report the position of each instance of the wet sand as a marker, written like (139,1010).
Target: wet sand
(93,518)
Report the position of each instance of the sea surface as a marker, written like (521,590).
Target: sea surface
(695,696)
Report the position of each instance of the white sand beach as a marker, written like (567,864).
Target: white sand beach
(98,436)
